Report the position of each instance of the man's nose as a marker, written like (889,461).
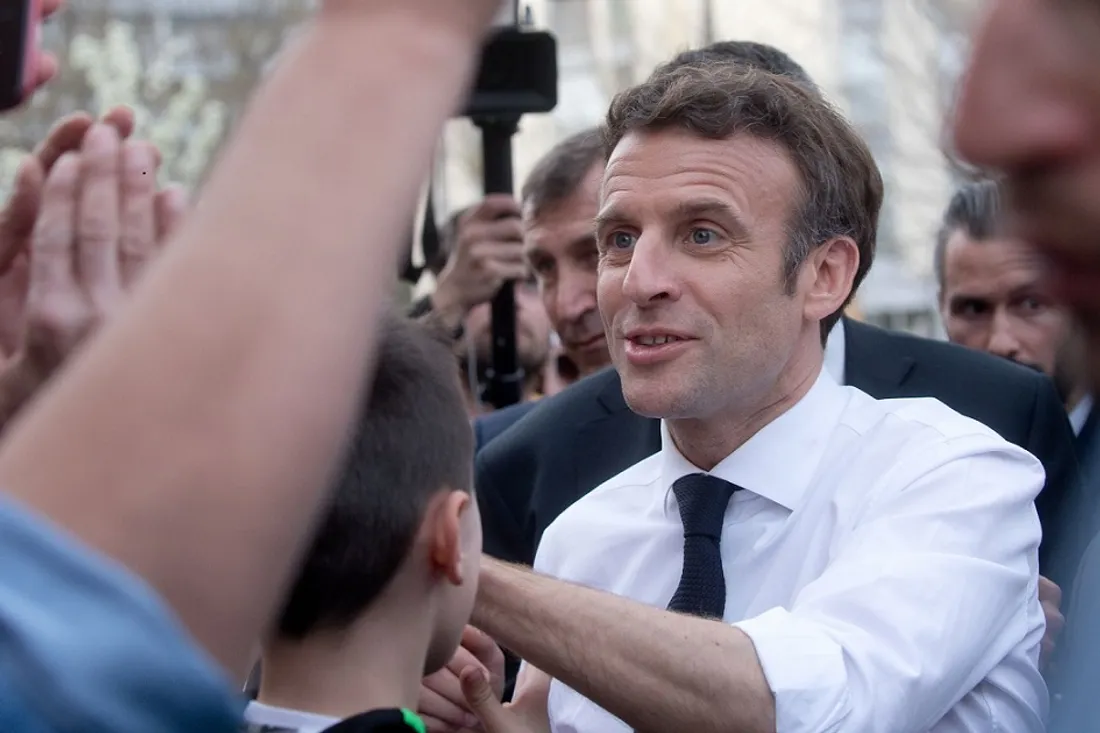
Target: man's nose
(576,294)
(1002,337)
(650,276)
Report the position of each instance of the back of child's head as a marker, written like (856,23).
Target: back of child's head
(405,483)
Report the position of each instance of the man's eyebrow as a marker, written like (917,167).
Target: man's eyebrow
(607,216)
(968,298)
(717,208)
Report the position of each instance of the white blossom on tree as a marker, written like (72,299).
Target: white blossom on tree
(186,67)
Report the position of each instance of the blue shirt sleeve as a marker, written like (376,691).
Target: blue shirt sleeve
(87,646)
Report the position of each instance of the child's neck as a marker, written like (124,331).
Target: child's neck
(343,675)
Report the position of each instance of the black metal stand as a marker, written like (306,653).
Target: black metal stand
(505,375)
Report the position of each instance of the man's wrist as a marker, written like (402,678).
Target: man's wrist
(493,582)
(450,22)
(447,308)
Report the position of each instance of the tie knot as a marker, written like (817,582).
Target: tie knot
(703,500)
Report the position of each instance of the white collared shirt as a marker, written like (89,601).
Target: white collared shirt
(835,353)
(882,557)
(258,714)
(1079,415)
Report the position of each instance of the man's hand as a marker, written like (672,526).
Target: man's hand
(20,212)
(18,216)
(442,701)
(101,220)
(1050,597)
(488,251)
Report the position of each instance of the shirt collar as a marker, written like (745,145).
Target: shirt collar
(1079,415)
(259,714)
(834,352)
(779,461)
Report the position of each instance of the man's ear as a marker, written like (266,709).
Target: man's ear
(831,271)
(443,531)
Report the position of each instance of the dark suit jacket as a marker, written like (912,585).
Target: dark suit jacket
(1075,705)
(570,443)
(489,426)
(1090,431)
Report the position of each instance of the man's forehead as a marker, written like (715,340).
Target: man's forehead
(994,262)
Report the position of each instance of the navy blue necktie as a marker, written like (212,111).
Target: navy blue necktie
(703,500)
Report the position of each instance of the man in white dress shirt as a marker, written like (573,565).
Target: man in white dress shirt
(831,562)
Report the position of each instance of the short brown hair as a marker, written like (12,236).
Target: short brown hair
(841,184)
(975,208)
(560,172)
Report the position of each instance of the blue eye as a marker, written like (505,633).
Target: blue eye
(703,237)
(622,240)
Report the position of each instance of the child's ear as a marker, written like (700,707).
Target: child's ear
(443,528)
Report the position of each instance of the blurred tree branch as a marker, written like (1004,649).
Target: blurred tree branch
(185,66)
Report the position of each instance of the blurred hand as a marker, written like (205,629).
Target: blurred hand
(488,251)
(442,701)
(1050,597)
(101,220)
(19,213)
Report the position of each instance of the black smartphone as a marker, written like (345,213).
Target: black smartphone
(20,24)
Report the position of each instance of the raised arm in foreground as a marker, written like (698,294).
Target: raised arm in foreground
(193,437)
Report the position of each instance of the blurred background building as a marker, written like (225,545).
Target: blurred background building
(891,65)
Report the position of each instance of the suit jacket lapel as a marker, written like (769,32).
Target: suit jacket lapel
(612,442)
(871,362)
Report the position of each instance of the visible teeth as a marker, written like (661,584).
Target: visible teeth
(655,340)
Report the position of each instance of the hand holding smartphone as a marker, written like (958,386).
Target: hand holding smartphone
(20,31)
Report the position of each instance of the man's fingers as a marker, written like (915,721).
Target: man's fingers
(121,118)
(1049,592)
(511,272)
(482,646)
(66,135)
(138,211)
(494,206)
(45,69)
(54,240)
(446,708)
(505,232)
(479,696)
(18,217)
(1055,621)
(98,227)
(434,725)
(487,652)
(171,206)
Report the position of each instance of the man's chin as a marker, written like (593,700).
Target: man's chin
(656,398)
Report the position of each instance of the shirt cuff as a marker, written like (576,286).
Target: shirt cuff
(86,645)
(804,668)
